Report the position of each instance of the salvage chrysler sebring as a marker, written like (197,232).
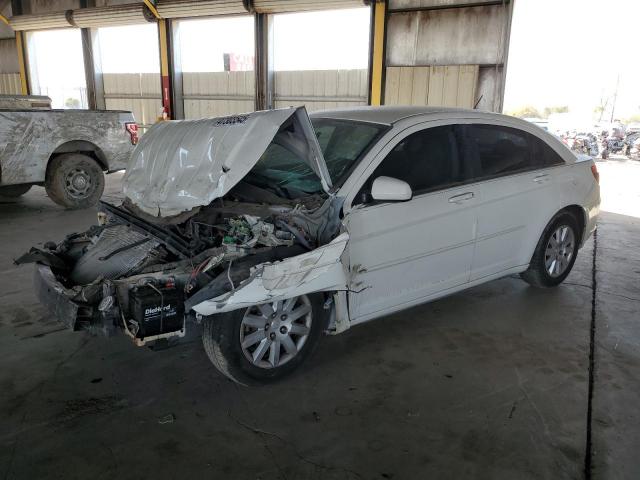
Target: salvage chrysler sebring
(272,228)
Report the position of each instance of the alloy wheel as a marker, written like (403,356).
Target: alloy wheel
(272,334)
(559,252)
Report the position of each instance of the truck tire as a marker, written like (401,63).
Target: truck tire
(74,181)
(228,342)
(13,191)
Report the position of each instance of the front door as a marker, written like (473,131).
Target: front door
(402,252)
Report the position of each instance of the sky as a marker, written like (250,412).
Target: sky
(570,52)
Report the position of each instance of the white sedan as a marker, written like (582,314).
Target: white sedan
(273,227)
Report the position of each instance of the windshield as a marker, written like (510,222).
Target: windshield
(287,174)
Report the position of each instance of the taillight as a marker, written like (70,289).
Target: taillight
(132,128)
(596,174)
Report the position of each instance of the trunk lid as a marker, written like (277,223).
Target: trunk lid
(180,165)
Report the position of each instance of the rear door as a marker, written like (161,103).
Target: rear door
(516,194)
(402,252)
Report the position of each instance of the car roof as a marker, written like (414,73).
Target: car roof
(389,115)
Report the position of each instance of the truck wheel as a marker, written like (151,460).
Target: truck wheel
(264,343)
(13,191)
(74,181)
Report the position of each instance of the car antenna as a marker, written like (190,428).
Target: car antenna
(479,99)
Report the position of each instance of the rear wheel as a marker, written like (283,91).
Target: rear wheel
(13,191)
(555,253)
(265,342)
(74,181)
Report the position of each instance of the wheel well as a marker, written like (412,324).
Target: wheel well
(83,147)
(580,216)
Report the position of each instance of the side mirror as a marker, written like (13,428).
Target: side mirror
(388,188)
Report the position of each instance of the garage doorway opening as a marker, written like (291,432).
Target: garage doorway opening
(319,70)
(56,67)
(130,64)
(215,60)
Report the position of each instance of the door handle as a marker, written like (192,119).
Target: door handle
(463,197)
(541,178)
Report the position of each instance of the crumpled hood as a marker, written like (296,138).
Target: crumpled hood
(179,165)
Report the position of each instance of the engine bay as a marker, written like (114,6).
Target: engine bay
(142,275)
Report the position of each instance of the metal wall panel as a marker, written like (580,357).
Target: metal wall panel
(136,92)
(456,36)
(9,56)
(417,4)
(215,94)
(321,89)
(10,84)
(445,86)
(490,88)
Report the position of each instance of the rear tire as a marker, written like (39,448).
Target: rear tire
(74,181)
(555,253)
(14,191)
(241,347)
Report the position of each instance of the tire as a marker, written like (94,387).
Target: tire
(74,181)
(222,334)
(563,226)
(14,191)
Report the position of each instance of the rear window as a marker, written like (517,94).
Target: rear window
(502,150)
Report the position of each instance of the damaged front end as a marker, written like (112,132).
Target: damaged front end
(173,251)
(149,279)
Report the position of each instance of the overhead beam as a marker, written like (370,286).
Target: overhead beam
(152,8)
(376,62)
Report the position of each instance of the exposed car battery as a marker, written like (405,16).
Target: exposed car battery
(156,310)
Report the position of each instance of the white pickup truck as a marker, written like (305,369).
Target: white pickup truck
(67,151)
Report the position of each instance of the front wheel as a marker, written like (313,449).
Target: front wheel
(74,181)
(555,253)
(265,342)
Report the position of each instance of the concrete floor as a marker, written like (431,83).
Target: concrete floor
(489,383)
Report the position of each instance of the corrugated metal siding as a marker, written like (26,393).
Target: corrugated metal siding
(214,94)
(444,86)
(10,84)
(8,56)
(408,4)
(321,89)
(136,92)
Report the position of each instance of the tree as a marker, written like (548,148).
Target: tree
(525,112)
(549,110)
(72,103)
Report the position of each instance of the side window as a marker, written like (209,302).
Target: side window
(499,150)
(426,160)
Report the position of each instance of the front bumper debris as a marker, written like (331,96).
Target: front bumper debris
(58,300)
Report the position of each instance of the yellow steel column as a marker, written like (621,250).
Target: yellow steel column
(22,64)
(164,68)
(377,57)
